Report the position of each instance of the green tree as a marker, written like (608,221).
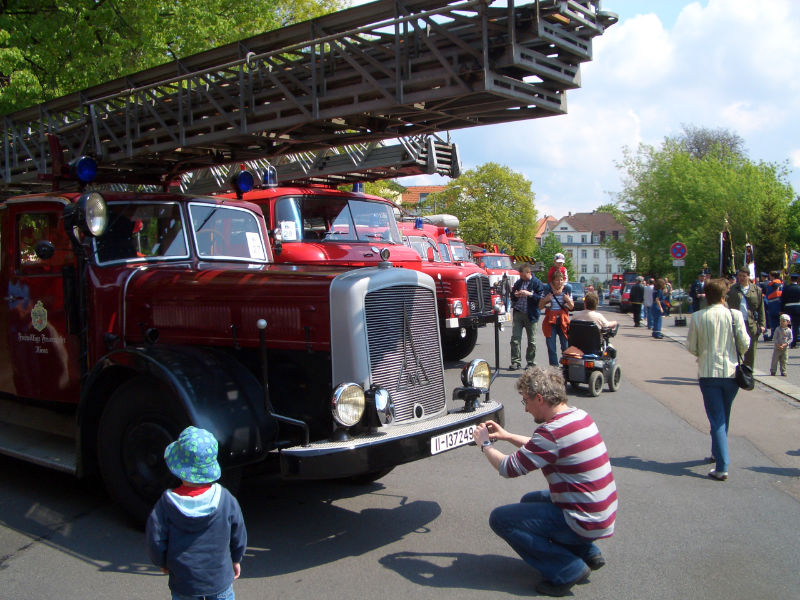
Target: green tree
(549,248)
(674,193)
(494,206)
(49,49)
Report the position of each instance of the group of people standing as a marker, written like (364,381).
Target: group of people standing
(651,300)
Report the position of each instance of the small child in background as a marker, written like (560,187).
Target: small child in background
(196,532)
(781,340)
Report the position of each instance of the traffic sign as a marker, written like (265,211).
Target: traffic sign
(678,250)
(678,262)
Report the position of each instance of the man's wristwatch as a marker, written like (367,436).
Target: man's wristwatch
(486,444)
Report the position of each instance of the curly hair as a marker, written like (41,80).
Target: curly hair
(547,381)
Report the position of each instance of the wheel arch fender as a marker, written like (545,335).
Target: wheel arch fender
(213,389)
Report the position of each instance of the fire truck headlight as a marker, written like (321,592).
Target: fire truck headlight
(477,374)
(458,308)
(347,404)
(92,214)
(499,307)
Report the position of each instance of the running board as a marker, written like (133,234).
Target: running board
(41,448)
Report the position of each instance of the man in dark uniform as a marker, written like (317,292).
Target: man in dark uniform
(637,297)
(790,304)
(746,296)
(697,291)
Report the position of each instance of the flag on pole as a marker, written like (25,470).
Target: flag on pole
(727,264)
(749,261)
(785,269)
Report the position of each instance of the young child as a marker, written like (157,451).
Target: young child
(196,532)
(781,340)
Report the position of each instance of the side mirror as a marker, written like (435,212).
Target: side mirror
(44,249)
(277,241)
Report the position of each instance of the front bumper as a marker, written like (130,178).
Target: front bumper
(477,320)
(388,447)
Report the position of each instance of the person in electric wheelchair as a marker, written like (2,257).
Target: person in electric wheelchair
(590,358)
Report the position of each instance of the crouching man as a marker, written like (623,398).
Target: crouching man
(554,531)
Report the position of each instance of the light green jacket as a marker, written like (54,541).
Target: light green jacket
(710,339)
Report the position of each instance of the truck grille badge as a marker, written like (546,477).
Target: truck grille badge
(413,371)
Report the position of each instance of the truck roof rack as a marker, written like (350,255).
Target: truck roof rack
(383,70)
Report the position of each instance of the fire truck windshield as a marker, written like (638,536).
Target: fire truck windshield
(226,232)
(496,262)
(140,232)
(334,219)
(459,250)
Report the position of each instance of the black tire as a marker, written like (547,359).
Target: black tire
(596,383)
(138,423)
(454,347)
(615,378)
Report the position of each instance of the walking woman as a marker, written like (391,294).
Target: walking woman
(657,308)
(715,333)
(557,301)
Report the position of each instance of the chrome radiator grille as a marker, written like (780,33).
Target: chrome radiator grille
(479,294)
(404,352)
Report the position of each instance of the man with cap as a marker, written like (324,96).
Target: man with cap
(790,304)
(746,297)
(196,531)
(558,263)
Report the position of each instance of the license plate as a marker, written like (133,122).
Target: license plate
(452,439)
(504,318)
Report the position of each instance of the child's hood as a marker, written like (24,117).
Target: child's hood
(194,512)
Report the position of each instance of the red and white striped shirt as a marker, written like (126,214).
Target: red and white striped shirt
(573,457)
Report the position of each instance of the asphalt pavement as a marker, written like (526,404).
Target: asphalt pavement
(422,531)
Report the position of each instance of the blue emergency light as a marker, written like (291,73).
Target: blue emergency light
(418,223)
(270,177)
(244,182)
(83,168)
(358,187)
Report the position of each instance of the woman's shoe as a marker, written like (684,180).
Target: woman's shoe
(718,475)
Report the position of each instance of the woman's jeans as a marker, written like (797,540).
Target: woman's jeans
(226,595)
(552,355)
(718,394)
(536,530)
(655,320)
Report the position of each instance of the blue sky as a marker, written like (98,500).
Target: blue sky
(732,64)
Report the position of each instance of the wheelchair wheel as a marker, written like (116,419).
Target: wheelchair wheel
(614,379)
(596,383)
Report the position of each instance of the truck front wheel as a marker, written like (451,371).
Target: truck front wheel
(455,347)
(138,423)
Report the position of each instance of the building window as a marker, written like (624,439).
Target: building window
(596,253)
(583,239)
(563,228)
(569,253)
(583,268)
(608,268)
(596,268)
(569,239)
(615,234)
(602,236)
(583,253)
(595,239)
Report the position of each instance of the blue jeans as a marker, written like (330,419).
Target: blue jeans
(718,394)
(226,595)
(552,355)
(648,313)
(536,530)
(655,320)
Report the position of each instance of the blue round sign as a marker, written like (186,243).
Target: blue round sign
(678,250)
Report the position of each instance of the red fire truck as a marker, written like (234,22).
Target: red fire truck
(502,274)
(131,312)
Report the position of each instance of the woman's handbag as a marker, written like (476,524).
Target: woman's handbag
(744,373)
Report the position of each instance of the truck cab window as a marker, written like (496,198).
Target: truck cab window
(33,228)
(140,232)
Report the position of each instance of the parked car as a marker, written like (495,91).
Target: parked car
(625,298)
(578,294)
(614,296)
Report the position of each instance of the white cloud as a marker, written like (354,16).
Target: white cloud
(733,64)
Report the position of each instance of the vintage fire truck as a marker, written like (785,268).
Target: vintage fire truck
(132,311)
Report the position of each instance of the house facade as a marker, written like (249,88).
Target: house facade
(582,235)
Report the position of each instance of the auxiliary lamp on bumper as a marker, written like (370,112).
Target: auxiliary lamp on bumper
(476,378)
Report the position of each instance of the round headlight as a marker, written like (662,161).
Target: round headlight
(93,213)
(347,404)
(477,374)
(458,308)
(499,307)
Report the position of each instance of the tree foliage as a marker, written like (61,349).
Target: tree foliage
(51,48)
(678,193)
(547,251)
(494,206)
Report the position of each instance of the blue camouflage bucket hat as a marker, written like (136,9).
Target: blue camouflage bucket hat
(193,456)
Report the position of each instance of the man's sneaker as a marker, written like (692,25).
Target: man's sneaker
(513,367)
(595,561)
(718,475)
(552,589)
